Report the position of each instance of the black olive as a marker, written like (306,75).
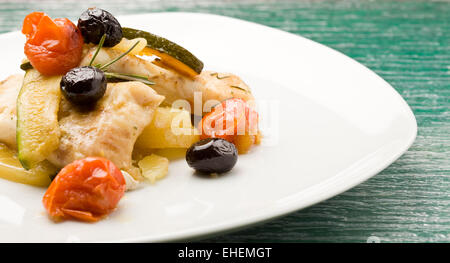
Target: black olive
(212,155)
(83,85)
(95,22)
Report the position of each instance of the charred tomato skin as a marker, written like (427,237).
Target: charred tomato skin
(95,22)
(212,155)
(83,85)
(87,189)
(53,46)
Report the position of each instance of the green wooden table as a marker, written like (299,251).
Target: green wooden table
(408,44)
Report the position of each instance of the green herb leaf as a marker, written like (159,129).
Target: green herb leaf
(100,45)
(217,76)
(130,77)
(237,87)
(119,57)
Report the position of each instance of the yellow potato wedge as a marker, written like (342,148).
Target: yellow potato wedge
(11,169)
(154,167)
(170,128)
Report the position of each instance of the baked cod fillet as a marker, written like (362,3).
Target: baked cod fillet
(173,86)
(110,129)
(9,90)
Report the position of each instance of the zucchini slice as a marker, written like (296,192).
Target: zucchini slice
(11,169)
(171,54)
(37,117)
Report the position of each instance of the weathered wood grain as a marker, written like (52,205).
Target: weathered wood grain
(408,44)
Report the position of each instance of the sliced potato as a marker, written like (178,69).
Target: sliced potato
(11,169)
(37,117)
(169,153)
(125,44)
(172,153)
(154,167)
(170,128)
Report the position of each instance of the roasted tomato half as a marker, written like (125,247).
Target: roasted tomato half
(86,190)
(53,46)
(234,121)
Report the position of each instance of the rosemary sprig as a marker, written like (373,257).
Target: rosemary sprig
(131,77)
(112,75)
(237,87)
(100,45)
(119,57)
(217,76)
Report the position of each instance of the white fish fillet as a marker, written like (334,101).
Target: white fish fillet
(211,85)
(111,129)
(9,90)
(120,116)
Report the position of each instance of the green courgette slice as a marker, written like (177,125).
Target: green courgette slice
(37,130)
(168,47)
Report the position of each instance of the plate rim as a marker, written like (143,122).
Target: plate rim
(231,225)
(276,212)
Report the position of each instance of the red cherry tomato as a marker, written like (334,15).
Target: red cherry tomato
(53,46)
(86,189)
(229,119)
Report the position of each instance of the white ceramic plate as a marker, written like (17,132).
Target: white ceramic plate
(333,124)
